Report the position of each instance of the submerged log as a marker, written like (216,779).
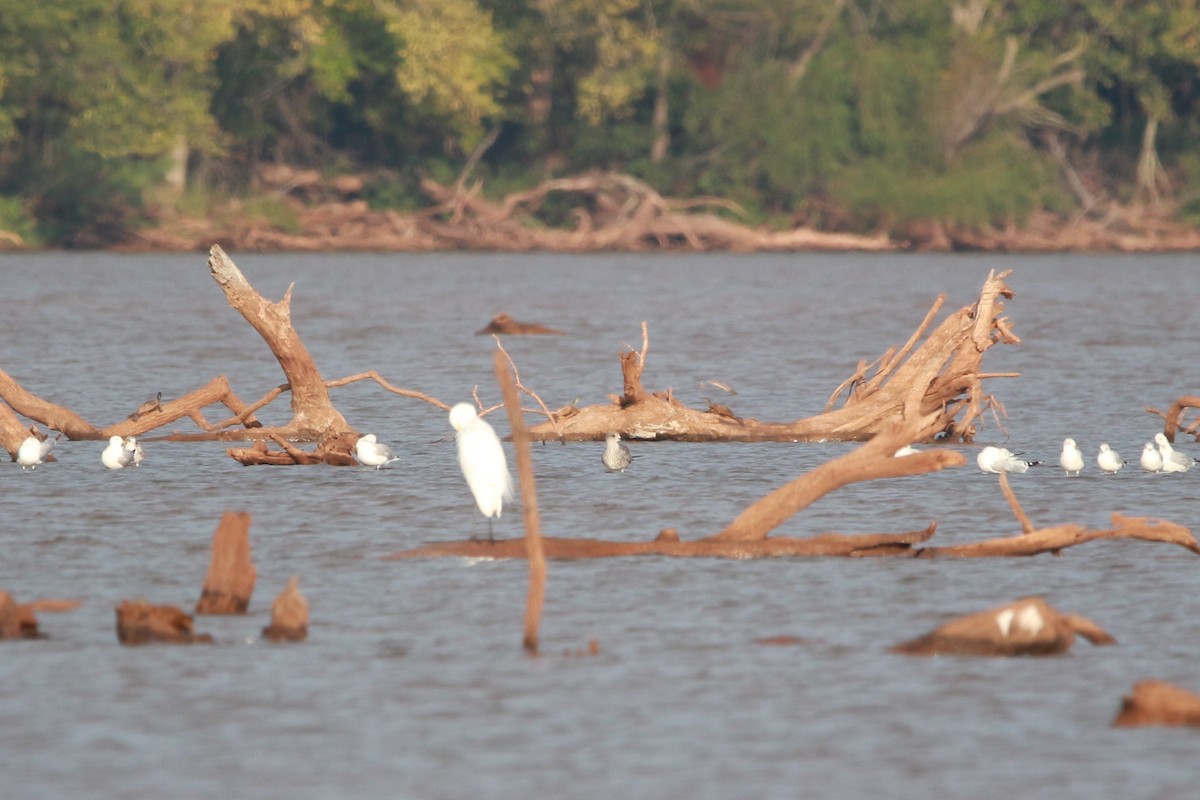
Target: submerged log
(231,573)
(289,615)
(19,621)
(139,622)
(935,372)
(1158,703)
(1026,627)
(503,324)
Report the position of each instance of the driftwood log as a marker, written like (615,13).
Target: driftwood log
(1158,703)
(1026,627)
(936,371)
(139,622)
(289,615)
(19,621)
(504,325)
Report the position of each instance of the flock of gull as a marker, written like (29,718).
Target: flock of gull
(1157,456)
(120,452)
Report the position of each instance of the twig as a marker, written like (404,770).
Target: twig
(373,375)
(517,377)
(1018,512)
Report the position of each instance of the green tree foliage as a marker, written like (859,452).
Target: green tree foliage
(863,114)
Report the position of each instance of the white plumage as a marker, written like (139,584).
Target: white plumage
(1151,459)
(33,451)
(1109,460)
(998,459)
(131,444)
(116,456)
(1172,461)
(482,461)
(1071,457)
(616,456)
(372,452)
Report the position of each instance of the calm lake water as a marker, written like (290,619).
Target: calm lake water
(413,683)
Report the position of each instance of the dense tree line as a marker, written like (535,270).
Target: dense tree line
(855,115)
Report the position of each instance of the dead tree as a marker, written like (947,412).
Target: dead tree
(936,372)
(314,417)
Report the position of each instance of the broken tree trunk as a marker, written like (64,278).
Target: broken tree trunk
(139,622)
(1158,703)
(289,615)
(936,372)
(231,573)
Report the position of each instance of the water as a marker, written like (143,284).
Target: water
(413,683)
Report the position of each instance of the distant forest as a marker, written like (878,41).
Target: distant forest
(859,116)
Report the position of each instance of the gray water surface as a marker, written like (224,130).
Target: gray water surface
(413,684)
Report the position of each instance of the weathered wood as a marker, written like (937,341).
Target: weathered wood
(1060,537)
(231,573)
(289,615)
(938,373)
(139,622)
(504,325)
(1158,703)
(534,549)
(1026,627)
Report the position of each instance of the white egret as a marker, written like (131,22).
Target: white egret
(1151,459)
(1071,458)
(33,451)
(995,460)
(115,456)
(482,461)
(1172,461)
(131,444)
(373,453)
(616,456)
(1109,460)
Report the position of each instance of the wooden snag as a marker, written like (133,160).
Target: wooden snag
(1158,703)
(1026,627)
(139,622)
(503,324)
(10,618)
(534,550)
(19,621)
(231,574)
(289,615)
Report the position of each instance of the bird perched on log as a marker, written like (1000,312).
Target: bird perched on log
(482,461)
(153,404)
(33,451)
(721,410)
(372,452)
(116,455)
(616,456)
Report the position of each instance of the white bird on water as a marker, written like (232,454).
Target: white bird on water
(131,444)
(1071,458)
(1172,461)
(116,455)
(995,460)
(372,452)
(482,461)
(1151,460)
(33,451)
(1109,460)
(616,456)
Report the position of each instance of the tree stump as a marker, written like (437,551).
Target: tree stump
(10,618)
(139,622)
(289,615)
(1026,627)
(1158,703)
(231,573)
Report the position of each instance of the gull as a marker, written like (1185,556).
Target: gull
(482,461)
(131,444)
(907,450)
(616,456)
(373,453)
(1071,459)
(33,451)
(116,456)
(997,459)
(1151,460)
(1172,461)
(1109,460)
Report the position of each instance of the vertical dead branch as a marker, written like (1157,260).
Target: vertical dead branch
(231,573)
(1175,412)
(1018,512)
(533,534)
